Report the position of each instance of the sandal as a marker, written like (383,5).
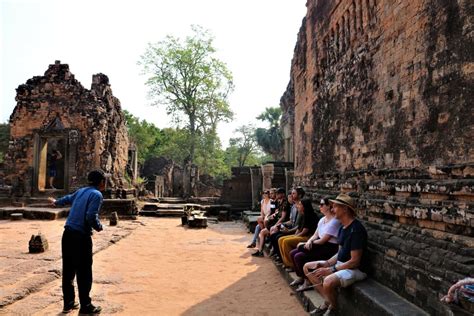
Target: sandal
(304,287)
(252,245)
(320,310)
(297,282)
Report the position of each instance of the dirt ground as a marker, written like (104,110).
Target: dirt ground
(150,267)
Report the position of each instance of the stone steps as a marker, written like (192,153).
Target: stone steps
(34,212)
(172,200)
(162,213)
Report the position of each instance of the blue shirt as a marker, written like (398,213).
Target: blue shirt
(353,237)
(84,213)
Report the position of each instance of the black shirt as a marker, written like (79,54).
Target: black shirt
(310,222)
(353,237)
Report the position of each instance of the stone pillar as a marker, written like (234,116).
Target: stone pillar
(267,174)
(256,184)
(289,174)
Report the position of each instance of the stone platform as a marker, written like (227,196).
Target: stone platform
(34,212)
(364,298)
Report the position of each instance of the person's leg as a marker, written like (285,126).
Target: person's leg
(84,272)
(68,248)
(255,234)
(281,240)
(287,245)
(329,290)
(299,260)
(274,240)
(261,239)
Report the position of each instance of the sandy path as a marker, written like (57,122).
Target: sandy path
(164,269)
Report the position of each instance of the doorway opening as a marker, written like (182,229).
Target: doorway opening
(51,171)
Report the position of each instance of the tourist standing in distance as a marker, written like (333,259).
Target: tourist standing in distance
(345,267)
(76,242)
(52,166)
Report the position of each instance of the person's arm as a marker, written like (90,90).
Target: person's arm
(324,268)
(66,200)
(323,240)
(58,155)
(92,213)
(281,219)
(448,298)
(303,232)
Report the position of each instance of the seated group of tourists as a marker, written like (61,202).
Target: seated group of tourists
(325,254)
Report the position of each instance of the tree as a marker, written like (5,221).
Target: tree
(145,135)
(171,143)
(245,145)
(192,83)
(270,139)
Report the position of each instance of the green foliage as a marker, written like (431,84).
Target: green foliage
(272,116)
(244,145)
(210,157)
(193,84)
(270,139)
(4,139)
(154,142)
(243,150)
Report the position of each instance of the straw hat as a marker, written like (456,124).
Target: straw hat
(344,199)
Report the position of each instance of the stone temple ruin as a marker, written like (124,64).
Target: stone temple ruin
(380,103)
(55,112)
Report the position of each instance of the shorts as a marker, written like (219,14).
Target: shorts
(349,276)
(53,172)
(270,222)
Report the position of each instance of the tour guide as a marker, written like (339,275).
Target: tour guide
(348,265)
(76,242)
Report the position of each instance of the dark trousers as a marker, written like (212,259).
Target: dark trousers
(274,241)
(77,262)
(300,255)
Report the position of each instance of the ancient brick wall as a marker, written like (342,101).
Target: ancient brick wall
(382,107)
(90,122)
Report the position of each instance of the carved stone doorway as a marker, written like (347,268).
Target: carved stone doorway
(50,170)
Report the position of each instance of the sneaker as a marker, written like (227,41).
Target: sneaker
(258,254)
(90,309)
(68,309)
(330,312)
(319,311)
(252,245)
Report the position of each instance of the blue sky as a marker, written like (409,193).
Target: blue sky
(255,38)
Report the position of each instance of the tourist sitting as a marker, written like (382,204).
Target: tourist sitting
(462,293)
(287,243)
(321,246)
(282,214)
(287,228)
(265,210)
(345,267)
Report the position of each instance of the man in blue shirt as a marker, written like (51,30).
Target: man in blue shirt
(76,242)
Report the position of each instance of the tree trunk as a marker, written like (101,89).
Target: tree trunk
(192,125)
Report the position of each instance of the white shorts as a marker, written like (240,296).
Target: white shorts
(349,276)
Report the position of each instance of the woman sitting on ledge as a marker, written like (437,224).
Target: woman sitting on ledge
(288,243)
(321,246)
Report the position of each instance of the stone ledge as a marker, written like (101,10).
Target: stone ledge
(35,212)
(364,298)
(371,298)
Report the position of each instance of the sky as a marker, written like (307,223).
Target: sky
(255,38)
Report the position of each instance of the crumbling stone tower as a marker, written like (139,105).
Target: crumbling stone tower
(55,111)
(380,103)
